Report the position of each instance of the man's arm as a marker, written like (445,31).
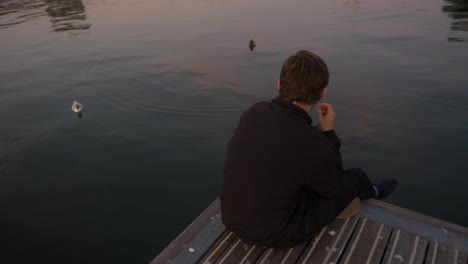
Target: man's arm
(325,182)
(331,135)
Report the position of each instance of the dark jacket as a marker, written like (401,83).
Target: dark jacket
(273,159)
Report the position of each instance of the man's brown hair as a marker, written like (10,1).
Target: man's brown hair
(303,77)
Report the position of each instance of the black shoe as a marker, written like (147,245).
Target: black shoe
(386,187)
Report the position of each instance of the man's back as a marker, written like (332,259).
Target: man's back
(283,177)
(274,156)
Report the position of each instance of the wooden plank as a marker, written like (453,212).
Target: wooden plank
(209,222)
(462,258)
(441,254)
(330,242)
(436,254)
(424,226)
(368,242)
(201,243)
(457,257)
(405,248)
(240,253)
(282,255)
(450,240)
(418,216)
(219,247)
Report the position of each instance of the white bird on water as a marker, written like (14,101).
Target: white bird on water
(77,108)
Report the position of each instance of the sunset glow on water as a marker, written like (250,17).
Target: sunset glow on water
(164,84)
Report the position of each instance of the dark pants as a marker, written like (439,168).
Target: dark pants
(321,211)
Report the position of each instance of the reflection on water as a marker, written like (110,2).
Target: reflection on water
(14,12)
(349,3)
(66,15)
(164,85)
(458,10)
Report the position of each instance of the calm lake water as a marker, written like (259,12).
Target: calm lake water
(163,84)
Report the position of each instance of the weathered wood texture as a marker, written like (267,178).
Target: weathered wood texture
(330,242)
(392,237)
(240,253)
(439,254)
(405,248)
(348,241)
(367,245)
(200,234)
(400,211)
(281,256)
(218,249)
(431,228)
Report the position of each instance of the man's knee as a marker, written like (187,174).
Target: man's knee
(356,171)
(362,181)
(359,174)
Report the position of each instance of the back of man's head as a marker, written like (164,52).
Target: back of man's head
(303,77)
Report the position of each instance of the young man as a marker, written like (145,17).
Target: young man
(283,176)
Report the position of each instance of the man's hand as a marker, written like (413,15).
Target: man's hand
(326,117)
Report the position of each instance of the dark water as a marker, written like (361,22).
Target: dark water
(163,84)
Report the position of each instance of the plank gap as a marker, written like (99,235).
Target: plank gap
(305,246)
(427,252)
(386,245)
(349,241)
(259,255)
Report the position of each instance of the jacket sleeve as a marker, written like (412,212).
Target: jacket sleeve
(325,179)
(331,135)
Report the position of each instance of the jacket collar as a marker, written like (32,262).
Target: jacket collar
(289,107)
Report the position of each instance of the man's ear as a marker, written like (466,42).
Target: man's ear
(324,92)
(279,85)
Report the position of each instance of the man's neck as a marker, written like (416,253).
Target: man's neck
(305,107)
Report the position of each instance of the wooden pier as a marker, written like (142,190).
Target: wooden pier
(380,233)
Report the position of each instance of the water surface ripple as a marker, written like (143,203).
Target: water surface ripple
(164,83)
